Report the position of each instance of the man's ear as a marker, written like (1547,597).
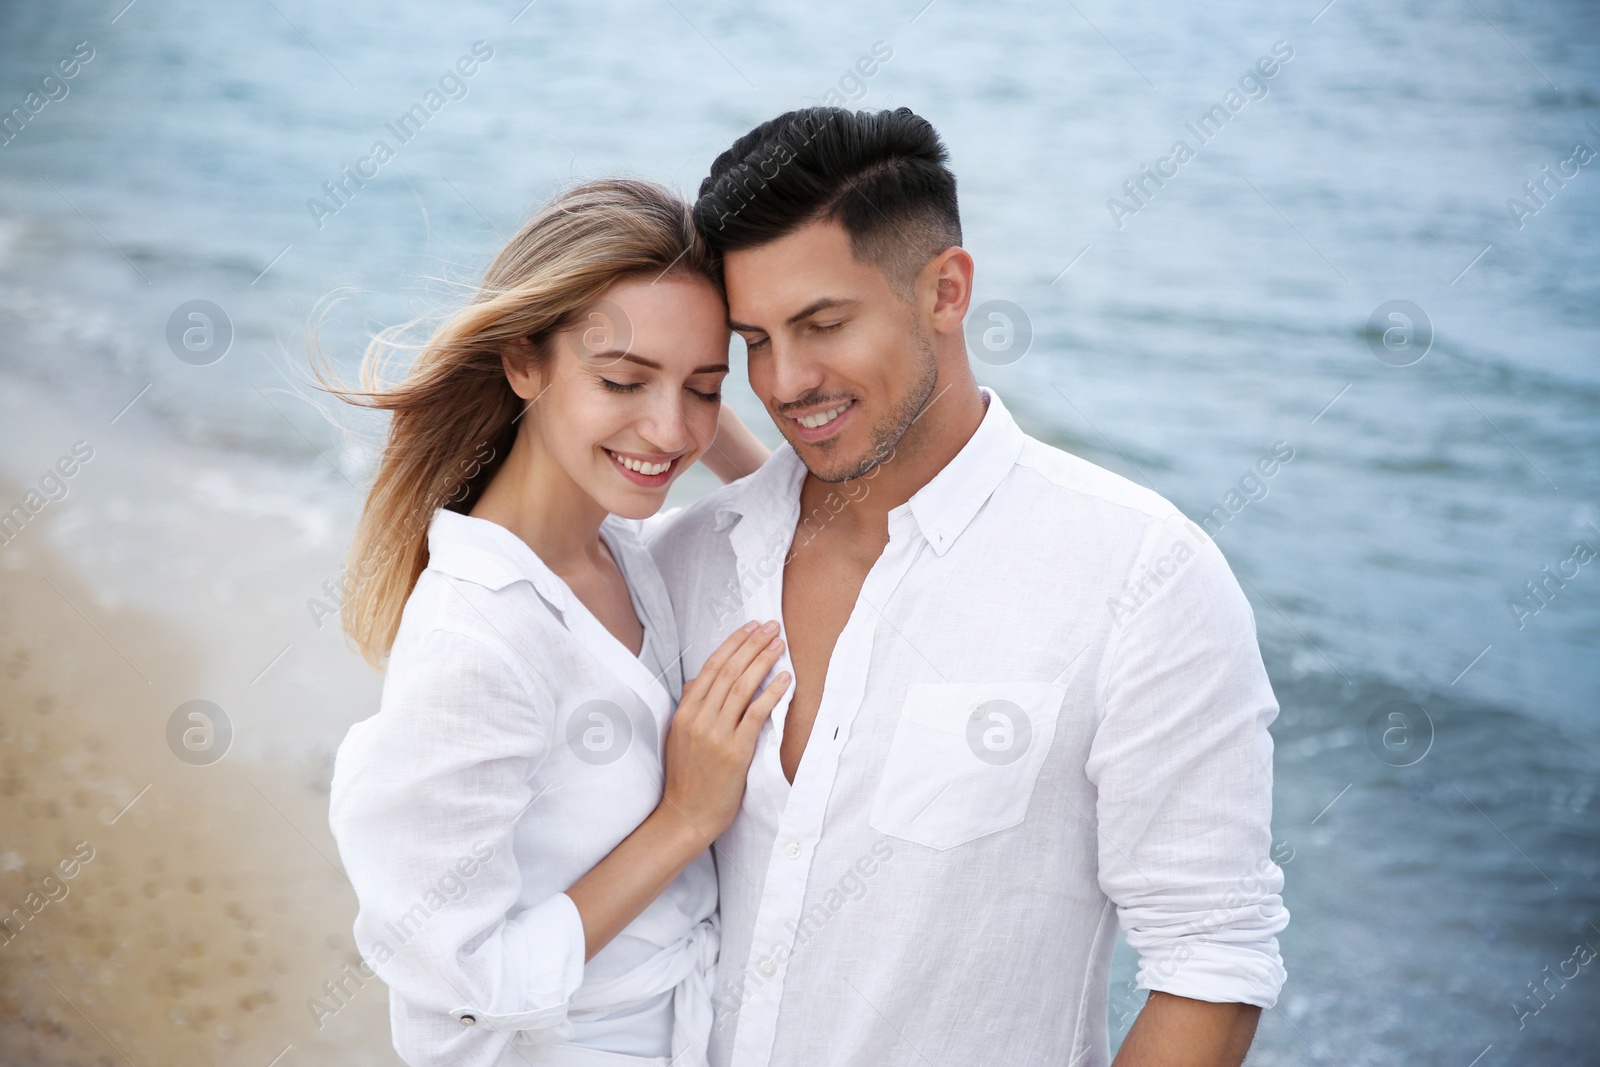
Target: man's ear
(519,358)
(949,276)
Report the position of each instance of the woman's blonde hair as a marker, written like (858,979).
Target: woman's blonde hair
(454,415)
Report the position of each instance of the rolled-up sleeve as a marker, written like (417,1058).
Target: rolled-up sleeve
(424,800)
(1182,761)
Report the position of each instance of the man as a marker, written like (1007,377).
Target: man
(1028,704)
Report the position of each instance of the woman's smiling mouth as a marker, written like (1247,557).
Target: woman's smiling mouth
(646,472)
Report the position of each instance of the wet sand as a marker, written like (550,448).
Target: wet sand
(163,912)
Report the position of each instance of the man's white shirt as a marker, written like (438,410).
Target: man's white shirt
(1046,716)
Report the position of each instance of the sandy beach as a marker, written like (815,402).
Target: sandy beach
(165,910)
(211,913)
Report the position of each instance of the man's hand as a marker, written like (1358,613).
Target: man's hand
(1173,1031)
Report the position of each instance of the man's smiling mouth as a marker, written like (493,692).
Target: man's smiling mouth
(819,423)
(821,418)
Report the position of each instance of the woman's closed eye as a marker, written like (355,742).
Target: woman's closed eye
(633,387)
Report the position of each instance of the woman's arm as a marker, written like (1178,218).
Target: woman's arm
(735,451)
(425,800)
(709,747)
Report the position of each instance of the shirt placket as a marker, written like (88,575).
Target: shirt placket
(799,821)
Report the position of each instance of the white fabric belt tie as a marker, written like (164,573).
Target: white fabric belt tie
(687,968)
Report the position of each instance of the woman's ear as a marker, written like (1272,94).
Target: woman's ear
(524,369)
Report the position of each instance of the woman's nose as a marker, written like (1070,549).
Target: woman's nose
(665,428)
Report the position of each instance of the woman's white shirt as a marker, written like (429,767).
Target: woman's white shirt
(516,744)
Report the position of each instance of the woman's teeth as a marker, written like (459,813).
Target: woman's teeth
(647,469)
(821,418)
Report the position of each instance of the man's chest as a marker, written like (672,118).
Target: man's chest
(820,592)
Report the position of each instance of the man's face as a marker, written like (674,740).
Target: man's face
(843,363)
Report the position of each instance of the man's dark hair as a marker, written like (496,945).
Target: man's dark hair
(881,174)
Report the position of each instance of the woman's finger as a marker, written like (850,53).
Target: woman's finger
(761,708)
(745,685)
(714,662)
(716,694)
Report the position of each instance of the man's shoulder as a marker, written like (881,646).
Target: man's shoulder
(685,530)
(1078,482)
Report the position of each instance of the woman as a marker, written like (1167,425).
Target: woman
(535,887)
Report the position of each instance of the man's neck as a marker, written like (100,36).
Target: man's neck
(937,437)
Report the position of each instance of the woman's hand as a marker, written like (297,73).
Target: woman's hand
(735,451)
(709,747)
(713,734)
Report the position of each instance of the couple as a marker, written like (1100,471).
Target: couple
(1015,701)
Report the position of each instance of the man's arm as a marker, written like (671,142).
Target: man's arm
(1173,1031)
(1182,764)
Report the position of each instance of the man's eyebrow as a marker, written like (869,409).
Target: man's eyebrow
(615,355)
(820,304)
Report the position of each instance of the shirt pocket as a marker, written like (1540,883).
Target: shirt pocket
(964,760)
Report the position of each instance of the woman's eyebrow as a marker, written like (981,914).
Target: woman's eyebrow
(614,355)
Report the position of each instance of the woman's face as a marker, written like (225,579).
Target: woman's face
(628,397)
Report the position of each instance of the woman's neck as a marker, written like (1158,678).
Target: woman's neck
(531,496)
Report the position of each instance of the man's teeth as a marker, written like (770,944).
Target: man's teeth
(648,469)
(821,418)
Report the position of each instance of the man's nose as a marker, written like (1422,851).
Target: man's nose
(793,374)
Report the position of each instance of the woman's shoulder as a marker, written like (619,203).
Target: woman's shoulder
(444,610)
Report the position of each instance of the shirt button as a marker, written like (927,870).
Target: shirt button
(793,850)
(767,968)
(468,1020)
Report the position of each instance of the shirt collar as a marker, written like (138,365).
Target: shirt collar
(948,503)
(487,554)
(942,509)
(771,491)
